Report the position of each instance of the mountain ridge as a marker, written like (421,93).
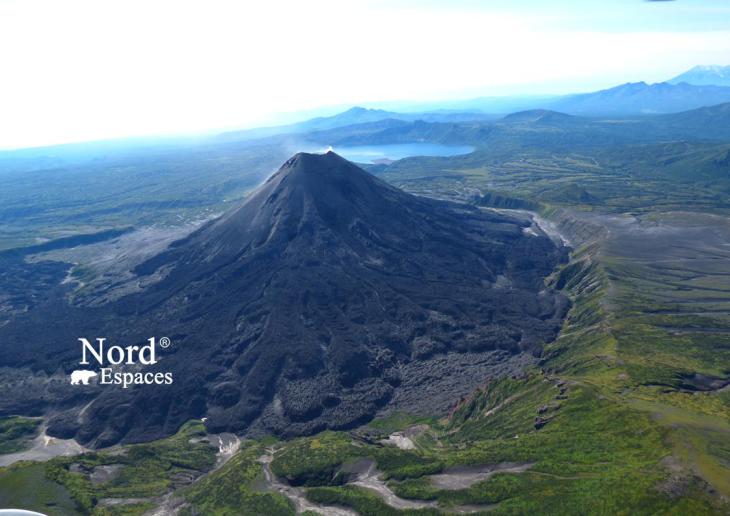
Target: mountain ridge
(642,98)
(701,75)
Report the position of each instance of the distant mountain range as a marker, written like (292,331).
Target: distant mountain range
(704,122)
(539,128)
(357,115)
(710,123)
(700,87)
(705,75)
(641,98)
(629,99)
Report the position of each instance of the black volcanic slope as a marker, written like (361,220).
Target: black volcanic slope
(298,310)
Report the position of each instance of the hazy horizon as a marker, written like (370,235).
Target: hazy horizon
(99,70)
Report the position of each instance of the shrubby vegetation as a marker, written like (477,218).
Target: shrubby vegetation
(238,489)
(145,471)
(16,433)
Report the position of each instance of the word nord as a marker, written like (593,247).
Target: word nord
(116,355)
(114,359)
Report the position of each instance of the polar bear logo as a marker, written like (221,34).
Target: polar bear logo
(82,376)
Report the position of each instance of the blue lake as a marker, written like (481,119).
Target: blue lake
(392,152)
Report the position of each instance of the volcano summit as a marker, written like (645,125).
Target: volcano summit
(326,297)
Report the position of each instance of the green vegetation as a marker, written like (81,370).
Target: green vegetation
(16,433)
(646,178)
(25,485)
(315,460)
(238,488)
(141,471)
(593,456)
(318,460)
(364,501)
(591,453)
(399,421)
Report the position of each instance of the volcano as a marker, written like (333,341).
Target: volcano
(323,299)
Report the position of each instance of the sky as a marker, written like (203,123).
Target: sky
(78,70)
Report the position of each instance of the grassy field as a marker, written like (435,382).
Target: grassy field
(137,476)
(25,486)
(16,433)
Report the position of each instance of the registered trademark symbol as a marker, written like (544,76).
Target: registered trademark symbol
(165,342)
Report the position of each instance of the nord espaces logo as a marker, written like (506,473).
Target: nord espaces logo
(121,365)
